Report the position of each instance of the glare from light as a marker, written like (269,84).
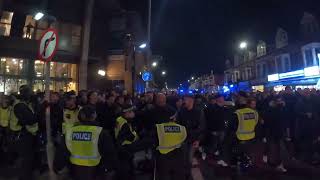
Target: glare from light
(154,64)
(163,73)
(142,46)
(180,84)
(38,16)
(192,78)
(188,80)
(243,45)
(102,72)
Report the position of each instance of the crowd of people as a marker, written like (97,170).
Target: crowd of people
(100,134)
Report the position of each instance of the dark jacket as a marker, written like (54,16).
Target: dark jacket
(216,117)
(194,121)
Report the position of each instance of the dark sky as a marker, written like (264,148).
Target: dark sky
(196,36)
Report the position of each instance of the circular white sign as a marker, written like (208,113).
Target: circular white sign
(48,45)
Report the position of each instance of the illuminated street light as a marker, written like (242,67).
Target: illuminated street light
(188,80)
(154,64)
(38,16)
(192,78)
(243,45)
(102,72)
(142,46)
(163,73)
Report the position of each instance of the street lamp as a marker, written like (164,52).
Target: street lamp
(102,72)
(163,73)
(192,78)
(142,46)
(154,64)
(243,45)
(39,15)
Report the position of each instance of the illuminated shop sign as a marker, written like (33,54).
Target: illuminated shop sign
(311,71)
(273,77)
(306,72)
(291,74)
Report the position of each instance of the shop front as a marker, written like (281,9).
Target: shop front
(15,72)
(306,78)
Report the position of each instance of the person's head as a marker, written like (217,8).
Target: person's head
(110,100)
(252,103)
(212,100)
(188,101)
(5,101)
(102,97)
(161,100)
(83,96)
(306,92)
(25,93)
(92,97)
(179,103)
(242,102)
(219,100)
(54,97)
(288,90)
(70,100)
(128,112)
(120,100)
(87,113)
(128,100)
(149,97)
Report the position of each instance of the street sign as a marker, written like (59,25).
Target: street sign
(147,76)
(48,45)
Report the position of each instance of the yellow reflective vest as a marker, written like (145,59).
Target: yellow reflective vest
(82,143)
(14,123)
(171,136)
(247,121)
(70,117)
(4,116)
(119,123)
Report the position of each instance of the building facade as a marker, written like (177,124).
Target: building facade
(285,63)
(207,83)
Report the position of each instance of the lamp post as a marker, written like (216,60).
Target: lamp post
(50,148)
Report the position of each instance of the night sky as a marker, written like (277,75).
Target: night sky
(199,35)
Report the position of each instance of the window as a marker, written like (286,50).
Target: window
(259,71)
(264,70)
(5,23)
(279,64)
(286,64)
(309,59)
(318,55)
(29,27)
(76,35)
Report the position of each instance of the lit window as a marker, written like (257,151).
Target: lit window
(29,27)
(5,23)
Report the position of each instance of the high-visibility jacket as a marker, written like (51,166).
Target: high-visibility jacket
(4,116)
(119,123)
(247,121)
(14,124)
(70,117)
(82,143)
(171,136)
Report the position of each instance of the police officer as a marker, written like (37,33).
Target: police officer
(5,109)
(126,137)
(70,112)
(170,156)
(23,129)
(243,126)
(87,147)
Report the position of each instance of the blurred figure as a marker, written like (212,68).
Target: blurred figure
(82,99)
(170,149)
(87,147)
(216,115)
(275,128)
(194,121)
(23,127)
(125,137)
(70,112)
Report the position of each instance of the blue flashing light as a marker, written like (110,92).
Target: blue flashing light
(231,86)
(181,90)
(190,92)
(225,89)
